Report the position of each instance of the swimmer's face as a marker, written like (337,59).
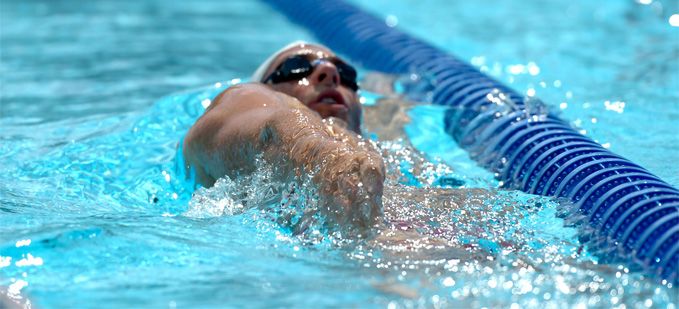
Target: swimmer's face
(323,90)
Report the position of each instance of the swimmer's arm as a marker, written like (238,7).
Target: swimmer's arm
(225,139)
(250,119)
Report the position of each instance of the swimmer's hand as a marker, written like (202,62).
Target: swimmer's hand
(351,188)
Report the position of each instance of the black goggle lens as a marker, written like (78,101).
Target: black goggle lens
(347,75)
(291,69)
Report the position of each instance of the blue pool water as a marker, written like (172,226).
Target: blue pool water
(95,96)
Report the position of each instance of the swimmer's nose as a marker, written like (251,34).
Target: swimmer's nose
(326,74)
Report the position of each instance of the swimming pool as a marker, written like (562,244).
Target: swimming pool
(90,214)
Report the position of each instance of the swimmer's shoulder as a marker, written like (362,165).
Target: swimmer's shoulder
(238,93)
(252,95)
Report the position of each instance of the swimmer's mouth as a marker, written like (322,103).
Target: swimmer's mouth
(331,97)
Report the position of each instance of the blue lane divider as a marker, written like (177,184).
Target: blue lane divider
(634,212)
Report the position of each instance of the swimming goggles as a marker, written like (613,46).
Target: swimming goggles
(299,66)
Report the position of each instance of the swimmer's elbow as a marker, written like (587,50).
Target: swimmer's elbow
(268,135)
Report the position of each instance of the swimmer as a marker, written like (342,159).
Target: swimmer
(300,113)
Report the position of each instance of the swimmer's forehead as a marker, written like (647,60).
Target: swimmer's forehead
(301,49)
